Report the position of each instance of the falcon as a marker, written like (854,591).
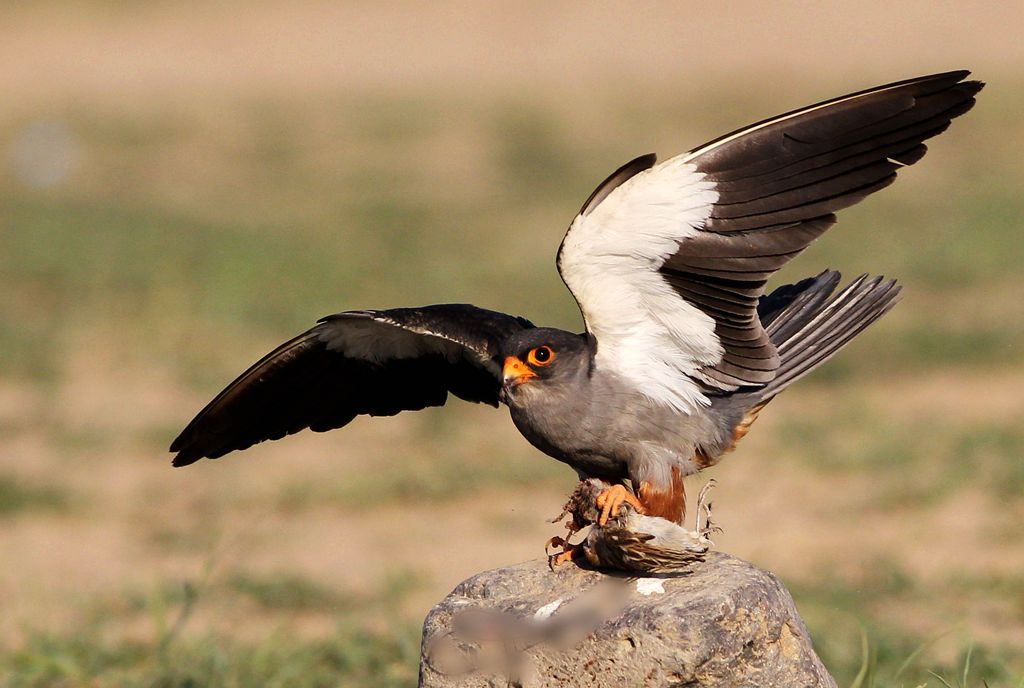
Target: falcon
(668,263)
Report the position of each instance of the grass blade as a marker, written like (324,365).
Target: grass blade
(865,662)
(967,665)
(917,652)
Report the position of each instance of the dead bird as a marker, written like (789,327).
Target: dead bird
(630,541)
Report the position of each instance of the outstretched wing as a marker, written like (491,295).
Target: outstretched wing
(376,363)
(667,262)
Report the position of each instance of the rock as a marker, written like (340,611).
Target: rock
(725,623)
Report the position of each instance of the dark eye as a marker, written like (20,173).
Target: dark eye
(540,356)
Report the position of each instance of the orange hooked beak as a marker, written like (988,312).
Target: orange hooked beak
(515,372)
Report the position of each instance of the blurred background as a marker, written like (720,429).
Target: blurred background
(185,185)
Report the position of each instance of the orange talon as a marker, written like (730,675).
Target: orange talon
(612,499)
(563,556)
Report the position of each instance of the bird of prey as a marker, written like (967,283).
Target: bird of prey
(668,263)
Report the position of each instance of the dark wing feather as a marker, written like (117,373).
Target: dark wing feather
(779,182)
(374,363)
(809,322)
(616,179)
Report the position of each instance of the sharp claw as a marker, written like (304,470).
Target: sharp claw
(556,541)
(559,558)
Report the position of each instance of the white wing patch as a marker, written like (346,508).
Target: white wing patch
(610,258)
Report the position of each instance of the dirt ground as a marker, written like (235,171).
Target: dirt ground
(61,50)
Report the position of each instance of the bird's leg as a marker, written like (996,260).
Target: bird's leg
(569,552)
(704,507)
(612,499)
(572,525)
(571,507)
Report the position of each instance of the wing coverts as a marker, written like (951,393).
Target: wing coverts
(714,224)
(375,363)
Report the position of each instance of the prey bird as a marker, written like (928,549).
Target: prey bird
(629,541)
(668,263)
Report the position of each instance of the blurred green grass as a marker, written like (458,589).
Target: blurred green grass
(895,651)
(913,460)
(370,646)
(301,227)
(190,241)
(18,496)
(421,479)
(385,652)
(347,656)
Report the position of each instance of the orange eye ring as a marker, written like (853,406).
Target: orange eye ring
(540,356)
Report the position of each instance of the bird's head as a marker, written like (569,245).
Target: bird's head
(538,358)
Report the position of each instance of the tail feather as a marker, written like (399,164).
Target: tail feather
(777,311)
(809,324)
